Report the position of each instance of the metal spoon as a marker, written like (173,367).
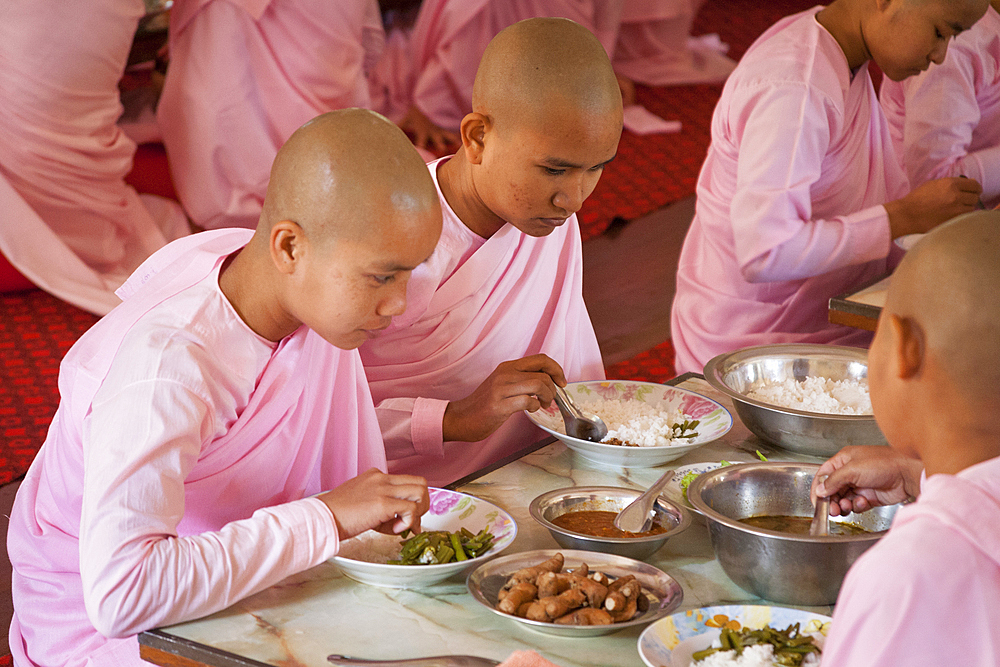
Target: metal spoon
(434,661)
(638,516)
(579,424)
(820,525)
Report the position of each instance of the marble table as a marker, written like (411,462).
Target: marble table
(318,612)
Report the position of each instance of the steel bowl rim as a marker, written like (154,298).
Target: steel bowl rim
(656,448)
(694,497)
(712,373)
(535,510)
(597,561)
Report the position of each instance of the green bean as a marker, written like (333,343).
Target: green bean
(435,547)
(790,647)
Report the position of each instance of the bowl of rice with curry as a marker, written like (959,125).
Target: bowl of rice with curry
(649,424)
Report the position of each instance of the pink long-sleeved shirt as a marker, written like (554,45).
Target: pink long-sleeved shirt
(946,121)
(174,479)
(789,210)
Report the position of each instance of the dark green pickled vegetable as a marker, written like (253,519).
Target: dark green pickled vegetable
(685,429)
(438,546)
(790,647)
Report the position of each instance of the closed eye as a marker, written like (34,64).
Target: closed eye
(383,280)
(554,172)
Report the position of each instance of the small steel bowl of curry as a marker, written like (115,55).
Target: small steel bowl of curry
(581,517)
(758,515)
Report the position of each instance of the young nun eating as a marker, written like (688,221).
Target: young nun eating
(801,194)
(946,121)
(496,316)
(216,433)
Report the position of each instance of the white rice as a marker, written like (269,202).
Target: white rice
(815,394)
(758,655)
(371,547)
(634,422)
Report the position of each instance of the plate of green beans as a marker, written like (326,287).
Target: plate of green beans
(458,532)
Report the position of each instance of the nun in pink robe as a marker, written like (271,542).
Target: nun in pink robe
(69,222)
(927,593)
(946,121)
(655,46)
(473,305)
(175,482)
(450,37)
(244,75)
(789,210)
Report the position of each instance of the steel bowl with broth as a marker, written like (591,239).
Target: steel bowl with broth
(548,506)
(778,566)
(811,433)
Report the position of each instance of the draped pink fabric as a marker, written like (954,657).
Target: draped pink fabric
(451,35)
(69,222)
(931,585)
(789,210)
(946,121)
(177,522)
(655,46)
(514,296)
(244,75)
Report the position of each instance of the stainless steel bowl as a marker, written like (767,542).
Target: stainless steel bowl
(811,433)
(549,505)
(785,568)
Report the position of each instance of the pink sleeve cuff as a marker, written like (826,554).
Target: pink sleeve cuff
(427,426)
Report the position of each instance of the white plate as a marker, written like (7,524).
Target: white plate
(715,421)
(662,590)
(449,510)
(673,490)
(670,641)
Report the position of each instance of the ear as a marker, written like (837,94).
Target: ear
(474,128)
(287,245)
(908,346)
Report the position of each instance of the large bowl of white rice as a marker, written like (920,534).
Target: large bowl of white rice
(646,415)
(809,399)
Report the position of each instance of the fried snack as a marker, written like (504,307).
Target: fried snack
(530,574)
(586,616)
(550,608)
(516,596)
(551,583)
(579,597)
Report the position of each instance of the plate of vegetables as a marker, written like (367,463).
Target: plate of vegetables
(459,532)
(723,634)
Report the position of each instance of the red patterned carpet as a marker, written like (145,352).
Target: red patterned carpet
(649,172)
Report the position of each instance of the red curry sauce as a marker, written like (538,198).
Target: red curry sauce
(599,524)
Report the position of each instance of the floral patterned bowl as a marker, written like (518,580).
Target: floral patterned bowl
(363,558)
(670,641)
(714,420)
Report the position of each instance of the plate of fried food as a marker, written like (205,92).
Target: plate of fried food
(574,593)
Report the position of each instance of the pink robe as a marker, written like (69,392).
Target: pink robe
(244,75)
(789,200)
(68,221)
(450,37)
(655,47)
(175,475)
(946,121)
(474,304)
(928,593)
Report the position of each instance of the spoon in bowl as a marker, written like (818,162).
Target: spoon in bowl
(638,516)
(579,424)
(820,525)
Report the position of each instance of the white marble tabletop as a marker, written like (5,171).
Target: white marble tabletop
(318,612)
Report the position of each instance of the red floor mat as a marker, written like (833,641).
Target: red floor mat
(655,365)
(36,330)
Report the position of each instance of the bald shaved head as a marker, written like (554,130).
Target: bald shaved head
(339,174)
(949,284)
(544,63)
